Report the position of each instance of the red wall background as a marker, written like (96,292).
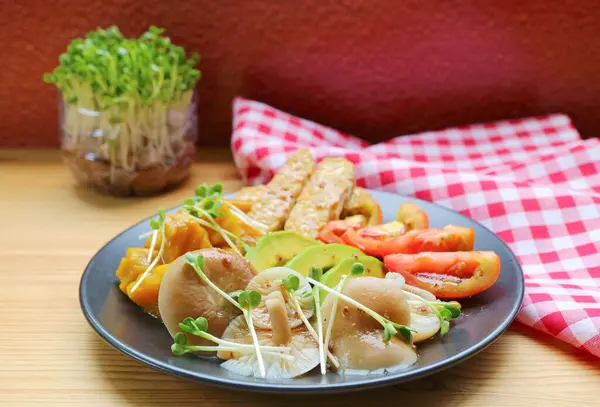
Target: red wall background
(376,69)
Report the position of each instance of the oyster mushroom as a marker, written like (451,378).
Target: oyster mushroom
(269,281)
(302,357)
(423,321)
(357,339)
(184,294)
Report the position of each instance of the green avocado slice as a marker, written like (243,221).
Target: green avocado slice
(277,248)
(325,256)
(373,268)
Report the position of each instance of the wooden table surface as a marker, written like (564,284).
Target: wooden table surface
(48,353)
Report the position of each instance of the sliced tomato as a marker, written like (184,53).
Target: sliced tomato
(412,216)
(448,239)
(450,275)
(333,231)
(370,239)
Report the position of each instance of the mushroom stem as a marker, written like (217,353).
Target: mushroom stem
(282,333)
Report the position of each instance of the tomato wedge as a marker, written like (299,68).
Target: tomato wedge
(412,216)
(448,239)
(451,275)
(370,239)
(333,231)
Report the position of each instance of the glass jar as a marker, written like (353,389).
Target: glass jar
(129,150)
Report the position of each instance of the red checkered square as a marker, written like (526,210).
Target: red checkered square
(532,181)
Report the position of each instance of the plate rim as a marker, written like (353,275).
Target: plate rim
(308,389)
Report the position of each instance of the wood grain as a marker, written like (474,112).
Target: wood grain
(48,353)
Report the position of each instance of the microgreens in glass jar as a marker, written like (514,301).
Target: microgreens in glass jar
(127,110)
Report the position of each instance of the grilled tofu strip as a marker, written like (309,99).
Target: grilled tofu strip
(251,194)
(272,205)
(323,198)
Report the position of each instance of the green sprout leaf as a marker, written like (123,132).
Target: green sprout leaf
(249,299)
(215,210)
(189,202)
(291,283)
(454,308)
(154,224)
(406,333)
(243,299)
(254,298)
(178,350)
(357,269)
(216,189)
(188,325)
(180,339)
(162,214)
(201,324)
(202,191)
(446,313)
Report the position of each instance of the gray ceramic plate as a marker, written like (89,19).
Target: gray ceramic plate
(126,327)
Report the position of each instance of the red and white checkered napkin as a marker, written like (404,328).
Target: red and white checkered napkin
(534,182)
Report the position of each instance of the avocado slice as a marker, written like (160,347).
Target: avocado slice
(325,256)
(373,268)
(277,248)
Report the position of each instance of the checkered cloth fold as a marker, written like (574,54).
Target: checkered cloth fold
(534,182)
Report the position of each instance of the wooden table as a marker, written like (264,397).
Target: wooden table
(48,353)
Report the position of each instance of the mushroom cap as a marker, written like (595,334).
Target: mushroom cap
(184,294)
(357,338)
(366,353)
(304,350)
(423,320)
(419,291)
(269,281)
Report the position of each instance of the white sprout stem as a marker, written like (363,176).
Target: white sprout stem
(154,262)
(220,229)
(312,331)
(261,363)
(217,289)
(223,342)
(145,235)
(258,226)
(319,330)
(152,244)
(350,300)
(333,311)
